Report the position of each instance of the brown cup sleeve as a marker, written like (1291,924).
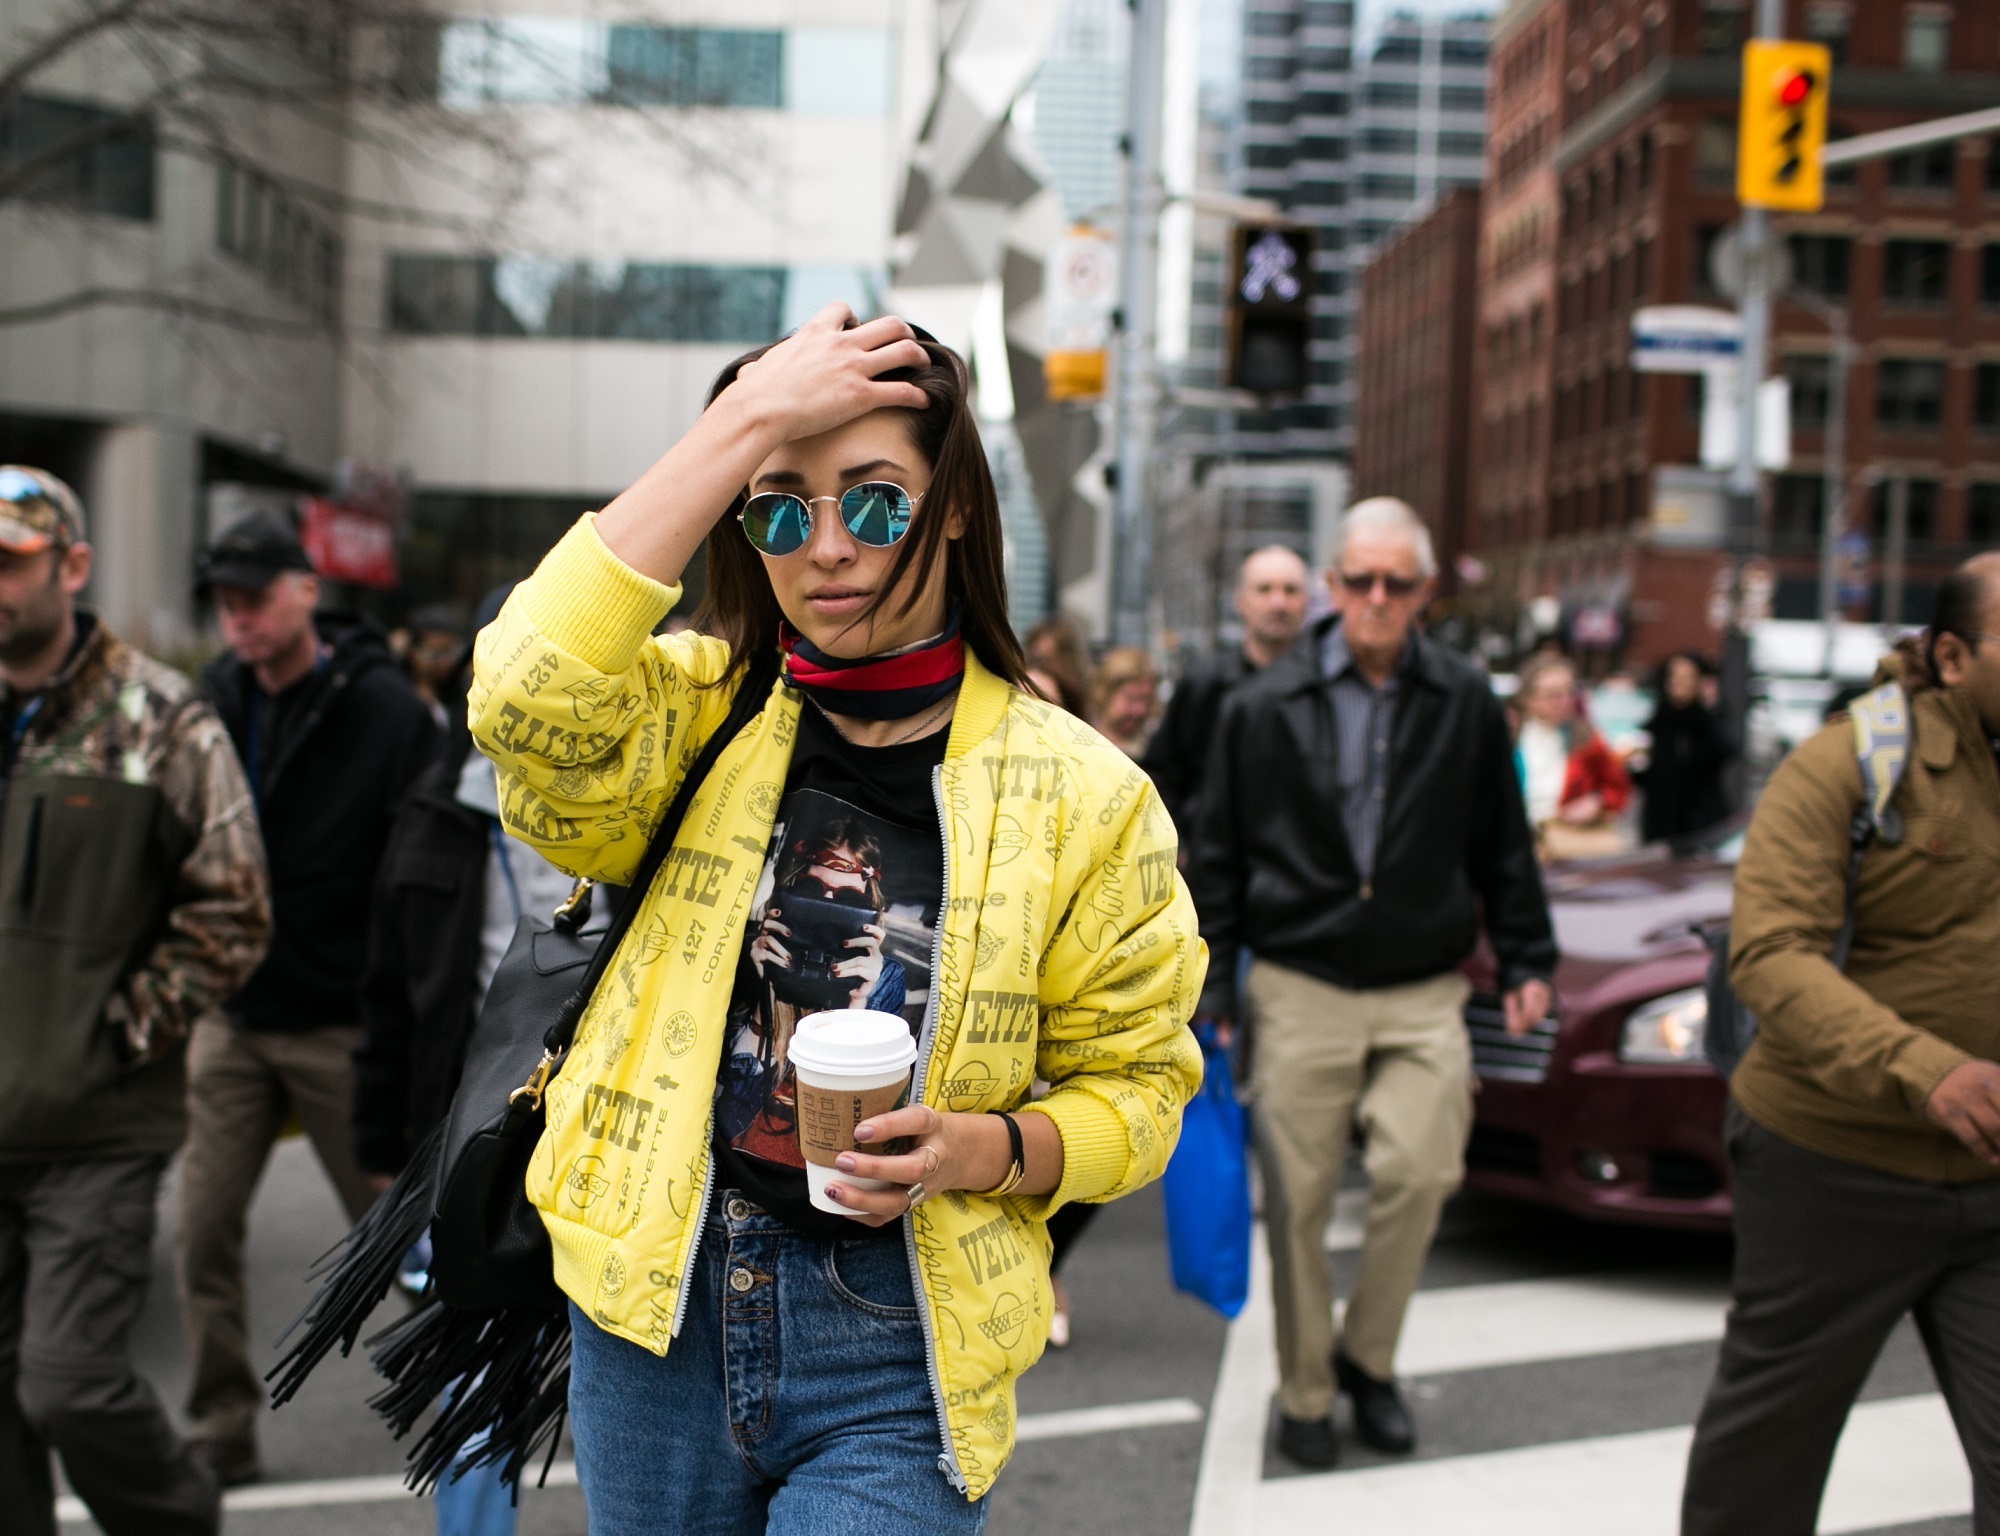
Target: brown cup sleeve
(828,1116)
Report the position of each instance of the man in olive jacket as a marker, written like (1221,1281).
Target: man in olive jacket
(132,899)
(1864,1132)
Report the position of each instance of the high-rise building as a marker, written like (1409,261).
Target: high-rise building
(1414,369)
(1354,148)
(1080,108)
(1297,147)
(503,254)
(1613,176)
(1419,121)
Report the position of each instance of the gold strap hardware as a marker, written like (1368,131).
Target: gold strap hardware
(538,1081)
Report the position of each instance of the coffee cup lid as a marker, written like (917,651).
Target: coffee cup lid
(848,1042)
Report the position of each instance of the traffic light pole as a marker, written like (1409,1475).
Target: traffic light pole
(1754,309)
(1134,401)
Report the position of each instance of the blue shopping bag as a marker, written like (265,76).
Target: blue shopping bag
(1207,1192)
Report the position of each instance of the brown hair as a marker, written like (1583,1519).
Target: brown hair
(741,609)
(1119,666)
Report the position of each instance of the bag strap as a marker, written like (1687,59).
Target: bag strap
(750,698)
(1881,723)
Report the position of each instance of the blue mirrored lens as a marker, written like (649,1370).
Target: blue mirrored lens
(876,513)
(19,485)
(776,524)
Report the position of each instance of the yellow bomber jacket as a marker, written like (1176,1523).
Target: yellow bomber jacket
(1068,950)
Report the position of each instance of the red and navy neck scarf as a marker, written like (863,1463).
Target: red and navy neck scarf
(891,687)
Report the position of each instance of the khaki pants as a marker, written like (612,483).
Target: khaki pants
(76,1243)
(1399,1060)
(242,1084)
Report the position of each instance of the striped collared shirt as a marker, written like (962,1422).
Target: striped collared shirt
(1363,718)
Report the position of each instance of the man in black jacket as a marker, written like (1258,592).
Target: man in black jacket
(1271,601)
(330,735)
(1361,819)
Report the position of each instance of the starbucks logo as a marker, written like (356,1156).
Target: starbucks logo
(678,1033)
(1003,1325)
(763,800)
(612,1280)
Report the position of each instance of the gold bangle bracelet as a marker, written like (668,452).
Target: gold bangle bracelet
(1017,1162)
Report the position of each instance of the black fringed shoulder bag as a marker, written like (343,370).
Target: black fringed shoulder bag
(492,1336)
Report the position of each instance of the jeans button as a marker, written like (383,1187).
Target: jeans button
(739,1210)
(741,1279)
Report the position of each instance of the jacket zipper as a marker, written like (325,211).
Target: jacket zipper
(700,1222)
(948,1462)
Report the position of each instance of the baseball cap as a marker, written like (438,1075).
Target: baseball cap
(252,554)
(37,510)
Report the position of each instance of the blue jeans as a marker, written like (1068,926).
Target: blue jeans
(798,1405)
(478,1503)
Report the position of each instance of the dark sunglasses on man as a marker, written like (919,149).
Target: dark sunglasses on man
(1363,583)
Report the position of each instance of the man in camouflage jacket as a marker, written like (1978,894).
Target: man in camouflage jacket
(133,898)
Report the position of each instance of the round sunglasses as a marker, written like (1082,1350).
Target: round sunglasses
(875,512)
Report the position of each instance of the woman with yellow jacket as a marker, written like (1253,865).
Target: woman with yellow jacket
(902,827)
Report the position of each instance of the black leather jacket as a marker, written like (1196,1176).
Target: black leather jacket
(1270,866)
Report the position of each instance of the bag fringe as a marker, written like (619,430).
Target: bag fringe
(508,1378)
(357,1272)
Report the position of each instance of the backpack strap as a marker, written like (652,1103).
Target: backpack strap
(1880,720)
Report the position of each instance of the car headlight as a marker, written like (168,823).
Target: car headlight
(1667,1030)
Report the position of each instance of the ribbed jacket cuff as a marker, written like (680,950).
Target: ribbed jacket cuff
(1097,1152)
(586,601)
(1924,1063)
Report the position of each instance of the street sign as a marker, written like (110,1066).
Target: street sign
(1684,338)
(1854,569)
(1082,292)
(1720,420)
(1725,264)
(1781,125)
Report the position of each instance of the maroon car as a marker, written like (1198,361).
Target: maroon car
(1607,1109)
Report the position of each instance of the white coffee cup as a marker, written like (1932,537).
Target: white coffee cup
(849,1064)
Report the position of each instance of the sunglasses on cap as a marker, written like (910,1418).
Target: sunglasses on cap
(875,512)
(18,485)
(1362,583)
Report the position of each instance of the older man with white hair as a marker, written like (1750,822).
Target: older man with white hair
(1361,819)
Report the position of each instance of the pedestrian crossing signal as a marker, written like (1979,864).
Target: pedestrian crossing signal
(1270,310)
(1782,126)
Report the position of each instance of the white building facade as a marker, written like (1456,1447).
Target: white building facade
(503,252)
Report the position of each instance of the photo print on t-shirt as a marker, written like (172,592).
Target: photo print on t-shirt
(845,916)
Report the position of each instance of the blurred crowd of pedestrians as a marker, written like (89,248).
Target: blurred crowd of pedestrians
(276,898)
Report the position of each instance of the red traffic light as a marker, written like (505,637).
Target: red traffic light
(1794,86)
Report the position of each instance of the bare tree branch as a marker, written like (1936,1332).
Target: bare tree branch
(162,301)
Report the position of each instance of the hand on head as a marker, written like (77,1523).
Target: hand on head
(827,373)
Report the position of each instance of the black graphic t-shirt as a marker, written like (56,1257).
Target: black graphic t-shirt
(845,916)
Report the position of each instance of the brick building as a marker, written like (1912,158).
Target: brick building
(1413,399)
(1635,165)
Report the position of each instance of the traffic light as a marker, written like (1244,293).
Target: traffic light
(1782,125)
(1270,309)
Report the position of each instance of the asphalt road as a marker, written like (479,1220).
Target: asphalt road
(1553,1367)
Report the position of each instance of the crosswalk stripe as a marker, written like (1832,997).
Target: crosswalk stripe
(1060,1425)
(1898,1462)
(1467,1327)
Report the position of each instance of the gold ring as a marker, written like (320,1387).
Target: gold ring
(932,1162)
(915,1194)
